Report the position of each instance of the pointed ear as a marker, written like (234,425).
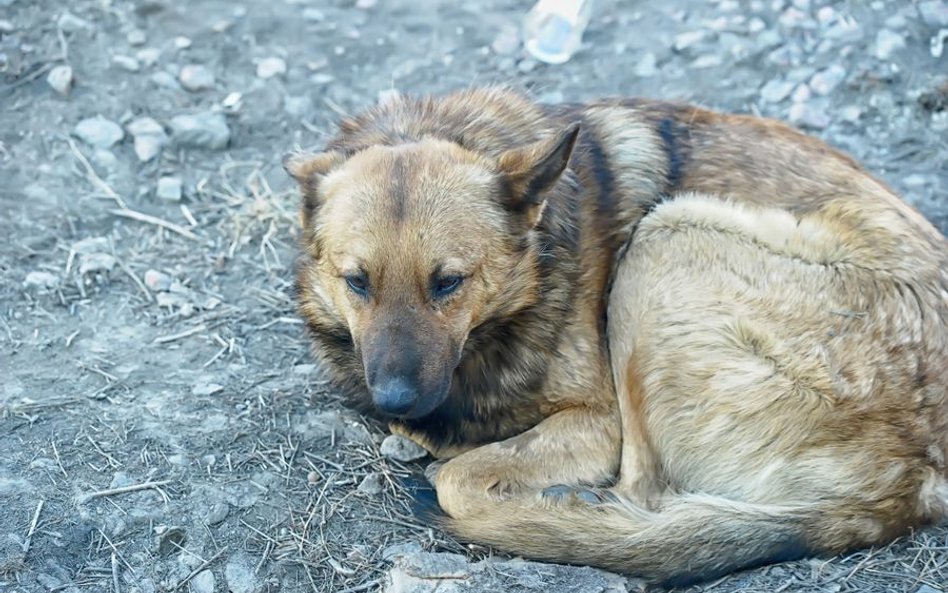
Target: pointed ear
(533,169)
(309,169)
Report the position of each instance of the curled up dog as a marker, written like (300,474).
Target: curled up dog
(647,337)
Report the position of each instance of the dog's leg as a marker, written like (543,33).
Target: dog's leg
(577,446)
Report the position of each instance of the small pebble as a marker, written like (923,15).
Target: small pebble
(401,449)
(165,80)
(372,484)
(98,132)
(507,41)
(218,513)
(157,281)
(6,26)
(687,40)
(169,189)
(195,77)
(934,12)
(182,42)
(203,582)
(825,81)
(809,115)
(887,43)
(150,137)
(148,56)
(61,79)
(136,37)
(776,91)
(70,23)
(647,65)
(313,15)
(95,262)
(297,106)
(203,389)
(42,280)
(270,67)
(90,245)
(200,130)
(365,4)
(801,94)
(126,63)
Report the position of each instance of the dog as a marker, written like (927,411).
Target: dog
(642,336)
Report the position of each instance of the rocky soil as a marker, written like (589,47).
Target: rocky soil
(162,427)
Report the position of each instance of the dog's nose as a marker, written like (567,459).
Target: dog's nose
(395,396)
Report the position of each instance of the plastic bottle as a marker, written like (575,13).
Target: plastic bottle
(553,29)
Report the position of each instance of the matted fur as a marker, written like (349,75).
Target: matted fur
(724,337)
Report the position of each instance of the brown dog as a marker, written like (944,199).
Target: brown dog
(651,338)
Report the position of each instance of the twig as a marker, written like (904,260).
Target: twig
(29,535)
(362,587)
(123,490)
(184,334)
(115,573)
(200,568)
(93,177)
(149,219)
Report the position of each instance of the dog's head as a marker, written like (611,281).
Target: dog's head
(410,247)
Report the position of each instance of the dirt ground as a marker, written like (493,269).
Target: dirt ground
(162,427)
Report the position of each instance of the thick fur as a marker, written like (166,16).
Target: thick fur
(726,338)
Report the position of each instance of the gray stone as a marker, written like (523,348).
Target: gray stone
(165,80)
(41,280)
(825,81)
(809,115)
(372,484)
(169,189)
(6,26)
(70,23)
(200,130)
(269,67)
(195,78)
(927,589)
(149,135)
(646,66)
(217,513)
(395,551)
(203,582)
(887,43)
(98,132)
(127,63)
(61,79)
(91,245)
(239,576)
(687,40)
(401,449)
(776,91)
(934,12)
(297,106)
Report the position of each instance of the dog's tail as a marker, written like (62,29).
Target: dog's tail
(692,538)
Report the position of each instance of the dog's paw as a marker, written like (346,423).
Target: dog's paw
(431,471)
(573,495)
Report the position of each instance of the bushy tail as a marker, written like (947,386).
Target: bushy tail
(692,538)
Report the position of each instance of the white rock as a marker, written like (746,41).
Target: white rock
(70,23)
(887,43)
(195,77)
(6,26)
(90,245)
(239,576)
(148,56)
(809,115)
(801,94)
(825,81)
(136,37)
(165,80)
(43,280)
(270,67)
(203,582)
(372,484)
(314,15)
(182,42)
(688,39)
(150,137)
(776,91)
(61,79)
(204,388)
(126,63)
(200,130)
(169,189)
(647,65)
(507,41)
(157,281)
(934,12)
(98,132)
(365,4)
(401,449)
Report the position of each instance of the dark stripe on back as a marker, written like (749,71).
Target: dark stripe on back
(670,131)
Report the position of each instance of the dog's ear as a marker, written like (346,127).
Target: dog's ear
(533,169)
(309,169)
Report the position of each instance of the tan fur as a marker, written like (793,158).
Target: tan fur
(750,360)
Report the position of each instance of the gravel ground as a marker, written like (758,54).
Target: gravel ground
(163,427)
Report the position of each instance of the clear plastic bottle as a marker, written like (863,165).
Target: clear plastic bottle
(553,29)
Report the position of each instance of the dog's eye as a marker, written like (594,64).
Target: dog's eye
(358,284)
(445,285)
